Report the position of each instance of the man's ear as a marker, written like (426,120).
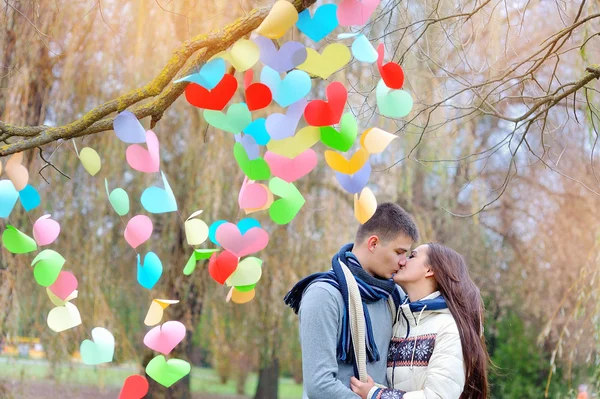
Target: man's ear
(372,243)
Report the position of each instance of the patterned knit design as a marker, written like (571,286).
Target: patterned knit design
(390,394)
(402,350)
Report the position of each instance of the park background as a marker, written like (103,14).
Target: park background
(496,161)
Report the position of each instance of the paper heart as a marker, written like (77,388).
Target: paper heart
(334,57)
(8,197)
(285,209)
(198,254)
(321,24)
(243,55)
(90,160)
(281,126)
(363,50)
(138,230)
(209,75)
(142,159)
(128,128)
(16,172)
(376,140)
(150,271)
(244,225)
(222,265)
(231,238)
(291,170)
(119,199)
(30,198)
(165,338)
(289,90)
(258,96)
(291,147)
(255,169)
(393,104)
(248,272)
(355,12)
(158,200)
(323,113)
(289,56)
(240,297)
(167,373)
(356,182)
(343,139)
(156,311)
(365,205)
(281,18)
(135,387)
(64,318)
(250,145)
(215,99)
(47,267)
(258,130)
(267,203)
(17,242)
(350,166)
(252,195)
(100,350)
(391,73)
(64,286)
(238,116)
(196,230)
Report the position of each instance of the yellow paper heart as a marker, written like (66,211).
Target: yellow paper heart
(240,297)
(280,19)
(156,310)
(16,172)
(365,205)
(57,301)
(376,140)
(293,146)
(90,160)
(334,57)
(196,230)
(244,54)
(340,164)
(270,200)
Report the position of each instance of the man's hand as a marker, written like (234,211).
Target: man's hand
(361,388)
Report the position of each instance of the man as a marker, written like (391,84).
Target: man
(325,307)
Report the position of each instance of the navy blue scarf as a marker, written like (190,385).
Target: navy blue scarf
(371,290)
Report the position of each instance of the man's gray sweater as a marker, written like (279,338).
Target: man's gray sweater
(321,313)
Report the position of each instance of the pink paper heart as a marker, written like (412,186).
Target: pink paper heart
(138,230)
(45,230)
(355,12)
(64,285)
(230,238)
(252,195)
(165,338)
(291,170)
(142,159)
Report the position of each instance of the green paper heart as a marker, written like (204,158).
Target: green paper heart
(245,288)
(48,265)
(119,199)
(236,119)
(256,169)
(343,139)
(248,272)
(100,350)
(287,207)
(167,373)
(393,104)
(17,242)
(197,255)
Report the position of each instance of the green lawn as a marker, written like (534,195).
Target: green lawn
(203,380)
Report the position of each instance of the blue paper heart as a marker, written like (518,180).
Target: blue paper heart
(292,88)
(209,76)
(356,182)
(363,50)
(258,130)
(212,231)
(8,197)
(321,24)
(246,224)
(286,58)
(30,198)
(129,129)
(149,274)
(158,200)
(250,145)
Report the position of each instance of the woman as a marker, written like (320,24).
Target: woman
(438,349)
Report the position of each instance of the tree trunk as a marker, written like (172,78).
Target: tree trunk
(268,381)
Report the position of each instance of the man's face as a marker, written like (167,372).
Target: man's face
(387,257)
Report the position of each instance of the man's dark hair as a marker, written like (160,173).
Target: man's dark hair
(388,222)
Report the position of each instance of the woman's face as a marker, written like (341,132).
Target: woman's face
(416,267)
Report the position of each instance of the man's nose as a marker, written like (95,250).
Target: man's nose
(402,261)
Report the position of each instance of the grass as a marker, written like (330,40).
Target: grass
(203,380)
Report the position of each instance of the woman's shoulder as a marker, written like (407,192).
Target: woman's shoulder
(444,322)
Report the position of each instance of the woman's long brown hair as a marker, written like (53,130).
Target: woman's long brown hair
(464,302)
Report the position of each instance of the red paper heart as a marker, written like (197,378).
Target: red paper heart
(325,113)
(215,99)
(135,387)
(391,73)
(258,96)
(221,266)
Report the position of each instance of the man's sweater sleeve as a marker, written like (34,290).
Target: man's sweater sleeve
(319,323)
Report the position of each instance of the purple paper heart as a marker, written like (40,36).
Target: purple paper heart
(356,182)
(250,145)
(279,126)
(288,57)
